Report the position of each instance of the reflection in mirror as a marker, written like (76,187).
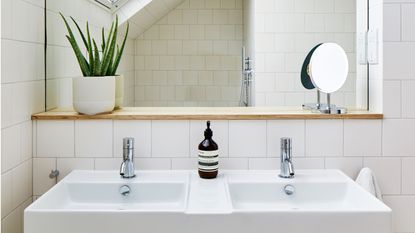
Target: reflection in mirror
(190,52)
(287,30)
(329,67)
(325,69)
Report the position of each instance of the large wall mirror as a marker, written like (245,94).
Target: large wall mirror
(213,53)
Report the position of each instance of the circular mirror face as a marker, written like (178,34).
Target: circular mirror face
(329,67)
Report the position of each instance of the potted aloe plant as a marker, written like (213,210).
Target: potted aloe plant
(101,88)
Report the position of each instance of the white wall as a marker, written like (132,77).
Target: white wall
(376,74)
(249,27)
(286,30)
(22,93)
(143,14)
(399,105)
(61,61)
(384,145)
(387,146)
(192,56)
(249,43)
(243,145)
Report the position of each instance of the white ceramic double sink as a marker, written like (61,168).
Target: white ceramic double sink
(321,201)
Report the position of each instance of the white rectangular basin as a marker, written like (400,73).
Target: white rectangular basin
(313,191)
(323,201)
(320,201)
(100,191)
(143,196)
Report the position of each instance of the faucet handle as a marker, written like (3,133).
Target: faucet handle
(286,143)
(128,143)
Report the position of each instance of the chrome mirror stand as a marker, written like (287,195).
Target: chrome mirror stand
(326,108)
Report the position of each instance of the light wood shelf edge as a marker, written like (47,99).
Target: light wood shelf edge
(231,113)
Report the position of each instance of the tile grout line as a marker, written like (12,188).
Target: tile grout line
(305,138)
(17,207)
(151,138)
(400,22)
(113,138)
(343,147)
(266,138)
(401,174)
(74,138)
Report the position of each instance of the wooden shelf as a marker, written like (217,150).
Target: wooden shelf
(201,113)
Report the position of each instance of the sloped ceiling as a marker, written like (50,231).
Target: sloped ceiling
(142,14)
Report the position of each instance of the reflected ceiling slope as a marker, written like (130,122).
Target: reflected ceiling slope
(142,14)
(111,5)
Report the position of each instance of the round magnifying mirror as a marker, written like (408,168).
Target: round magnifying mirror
(305,76)
(329,67)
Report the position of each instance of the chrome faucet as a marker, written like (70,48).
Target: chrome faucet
(287,168)
(127,166)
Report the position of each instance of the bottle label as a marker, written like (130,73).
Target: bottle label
(208,160)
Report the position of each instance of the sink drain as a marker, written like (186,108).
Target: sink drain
(289,189)
(125,190)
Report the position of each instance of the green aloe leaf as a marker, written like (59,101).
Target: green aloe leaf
(90,50)
(107,41)
(97,62)
(103,40)
(87,44)
(109,56)
(105,51)
(120,52)
(108,60)
(80,57)
(111,68)
(81,33)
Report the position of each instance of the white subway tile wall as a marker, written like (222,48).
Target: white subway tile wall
(170,139)
(290,128)
(324,138)
(61,145)
(42,168)
(22,94)
(93,139)
(191,56)
(139,130)
(398,145)
(247,138)
(403,215)
(285,32)
(251,145)
(143,14)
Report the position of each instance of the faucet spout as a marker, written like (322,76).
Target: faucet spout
(287,167)
(127,166)
(122,169)
(290,168)
(127,169)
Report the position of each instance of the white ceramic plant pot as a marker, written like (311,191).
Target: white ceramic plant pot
(119,91)
(94,95)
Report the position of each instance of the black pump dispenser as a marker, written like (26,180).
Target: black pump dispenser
(208,131)
(208,155)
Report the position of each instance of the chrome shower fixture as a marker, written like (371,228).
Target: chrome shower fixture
(246,85)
